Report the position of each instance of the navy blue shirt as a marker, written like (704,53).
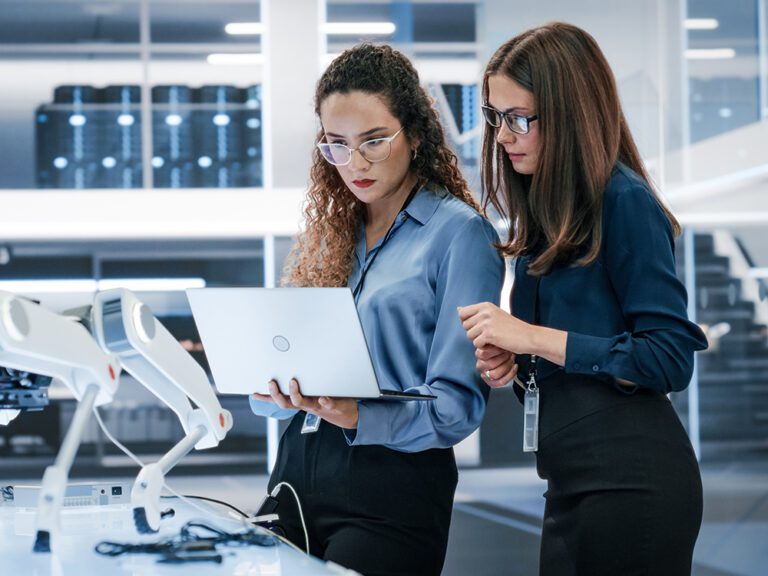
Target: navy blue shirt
(625,313)
(438,255)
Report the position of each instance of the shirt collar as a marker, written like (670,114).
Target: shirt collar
(421,208)
(424,204)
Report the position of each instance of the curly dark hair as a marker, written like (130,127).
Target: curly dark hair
(322,255)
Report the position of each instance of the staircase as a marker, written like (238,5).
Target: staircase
(733,373)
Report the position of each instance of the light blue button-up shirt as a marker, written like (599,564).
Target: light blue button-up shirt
(437,256)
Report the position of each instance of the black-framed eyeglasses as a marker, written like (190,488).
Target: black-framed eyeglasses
(376,150)
(517,124)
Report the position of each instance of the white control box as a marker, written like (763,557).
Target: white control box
(78,494)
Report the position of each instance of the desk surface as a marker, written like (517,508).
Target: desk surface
(82,528)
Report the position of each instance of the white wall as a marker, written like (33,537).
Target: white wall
(643,41)
(628,33)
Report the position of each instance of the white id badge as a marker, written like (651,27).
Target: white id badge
(311,423)
(531,420)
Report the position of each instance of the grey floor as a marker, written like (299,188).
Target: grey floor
(496,524)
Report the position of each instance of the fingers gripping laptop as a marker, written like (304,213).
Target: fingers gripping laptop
(254,335)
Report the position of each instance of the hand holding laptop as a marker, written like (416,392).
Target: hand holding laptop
(341,412)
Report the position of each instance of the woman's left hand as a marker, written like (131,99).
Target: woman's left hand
(341,412)
(496,366)
(488,325)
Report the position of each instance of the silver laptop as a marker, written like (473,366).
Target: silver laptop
(254,335)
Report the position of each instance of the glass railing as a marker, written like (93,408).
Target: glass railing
(725,409)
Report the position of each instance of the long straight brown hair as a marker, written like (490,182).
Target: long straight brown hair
(556,213)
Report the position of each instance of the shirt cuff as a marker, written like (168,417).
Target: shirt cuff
(590,355)
(586,354)
(372,425)
(269,410)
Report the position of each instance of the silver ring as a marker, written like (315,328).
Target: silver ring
(487,374)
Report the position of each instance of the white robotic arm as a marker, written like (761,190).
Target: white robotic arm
(38,341)
(7,415)
(126,327)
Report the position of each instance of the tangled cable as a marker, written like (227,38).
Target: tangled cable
(196,542)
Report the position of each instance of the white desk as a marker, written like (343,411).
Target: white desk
(82,528)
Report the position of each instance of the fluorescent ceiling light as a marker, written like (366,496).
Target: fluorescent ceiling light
(244,28)
(86,285)
(244,59)
(359,28)
(346,28)
(701,23)
(151,284)
(47,286)
(710,54)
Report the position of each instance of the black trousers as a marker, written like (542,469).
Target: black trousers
(374,510)
(624,492)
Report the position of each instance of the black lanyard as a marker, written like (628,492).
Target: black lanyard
(532,367)
(359,286)
(531,394)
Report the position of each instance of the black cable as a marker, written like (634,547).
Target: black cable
(227,504)
(196,542)
(196,531)
(107,548)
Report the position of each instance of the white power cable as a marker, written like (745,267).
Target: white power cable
(276,491)
(136,459)
(247,521)
(114,440)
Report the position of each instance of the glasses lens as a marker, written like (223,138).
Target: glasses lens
(518,124)
(336,154)
(376,150)
(491,116)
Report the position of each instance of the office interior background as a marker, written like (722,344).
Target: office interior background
(161,144)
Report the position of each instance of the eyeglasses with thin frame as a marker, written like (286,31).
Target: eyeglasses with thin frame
(376,150)
(517,124)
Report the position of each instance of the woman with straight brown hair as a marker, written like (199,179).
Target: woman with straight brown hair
(598,325)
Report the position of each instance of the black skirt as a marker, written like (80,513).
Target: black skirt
(624,493)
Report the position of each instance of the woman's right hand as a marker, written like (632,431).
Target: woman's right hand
(497,367)
(342,412)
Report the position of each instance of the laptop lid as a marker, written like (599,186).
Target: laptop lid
(254,335)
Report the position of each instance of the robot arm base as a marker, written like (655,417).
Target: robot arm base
(42,542)
(145,499)
(142,524)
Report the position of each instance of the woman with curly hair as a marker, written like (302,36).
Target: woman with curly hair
(599,322)
(390,216)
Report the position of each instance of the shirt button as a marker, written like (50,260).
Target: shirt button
(576,365)
(595,368)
